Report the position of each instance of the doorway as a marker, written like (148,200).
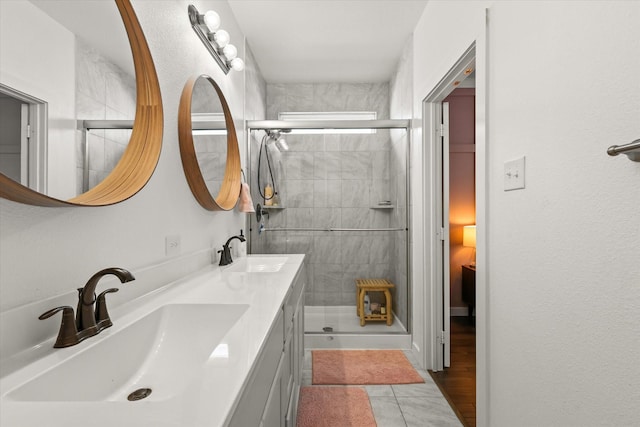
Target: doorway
(457,379)
(448,251)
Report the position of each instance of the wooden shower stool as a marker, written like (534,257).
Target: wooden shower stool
(374,285)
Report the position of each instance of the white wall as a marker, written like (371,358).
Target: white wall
(562,262)
(41,62)
(51,251)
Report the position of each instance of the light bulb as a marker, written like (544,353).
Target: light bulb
(237,64)
(230,52)
(212,20)
(221,37)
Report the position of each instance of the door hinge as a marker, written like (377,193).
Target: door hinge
(440,129)
(441,233)
(28,131)
(441,338)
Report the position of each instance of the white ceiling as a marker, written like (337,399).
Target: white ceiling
(327,40)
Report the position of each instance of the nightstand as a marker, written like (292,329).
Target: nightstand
(469,287)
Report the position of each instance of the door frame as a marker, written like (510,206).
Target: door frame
(431,299)
(433,109)
(36,158)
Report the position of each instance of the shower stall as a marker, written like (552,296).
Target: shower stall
(336,190)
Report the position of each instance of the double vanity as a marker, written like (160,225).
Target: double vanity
(222,347)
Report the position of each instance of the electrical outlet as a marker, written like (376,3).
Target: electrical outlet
(172,245)
(514,174)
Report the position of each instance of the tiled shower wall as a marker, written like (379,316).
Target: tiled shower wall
(103,92)
(335,181)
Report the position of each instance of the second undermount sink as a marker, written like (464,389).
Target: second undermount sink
(257,264)
(162,351)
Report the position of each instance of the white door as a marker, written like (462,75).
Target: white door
(442,116)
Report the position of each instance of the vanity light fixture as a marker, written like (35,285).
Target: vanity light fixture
(215,39)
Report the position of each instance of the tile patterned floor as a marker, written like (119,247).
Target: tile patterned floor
(404,405)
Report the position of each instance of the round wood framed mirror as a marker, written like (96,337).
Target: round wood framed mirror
(139,159)
(202,145)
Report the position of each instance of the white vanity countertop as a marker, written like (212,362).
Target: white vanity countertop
(206,399)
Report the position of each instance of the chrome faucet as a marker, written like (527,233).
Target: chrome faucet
(91,314)
(225,253)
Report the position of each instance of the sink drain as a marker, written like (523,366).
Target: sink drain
(139,394)
(327,329)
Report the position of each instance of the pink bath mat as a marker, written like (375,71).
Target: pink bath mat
(359,367)
(334,406)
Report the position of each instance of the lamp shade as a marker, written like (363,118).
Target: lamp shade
(469,236)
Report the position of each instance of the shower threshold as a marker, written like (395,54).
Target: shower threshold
(339,327)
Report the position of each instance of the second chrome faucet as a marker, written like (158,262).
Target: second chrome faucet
(91,315)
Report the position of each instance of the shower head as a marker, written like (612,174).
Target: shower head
(275,136)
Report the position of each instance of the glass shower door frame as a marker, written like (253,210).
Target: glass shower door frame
(265,125)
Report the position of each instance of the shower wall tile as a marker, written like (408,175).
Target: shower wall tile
(306,143)
(327,194)
(329,97)
(356,165)
(356,249)
(326,218)
(298,217)
(300,244)
(327,165)
(328,298)
(332,142)
(355,193)
(276,243)
(326,250)
(379,252)
(380,166)
(90,108)
(300,98)
(299,194)
(328,277)
(380,218)
(298,165)
(356,142)
(356,217)
(276,97)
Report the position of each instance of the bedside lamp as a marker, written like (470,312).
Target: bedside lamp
(469,240)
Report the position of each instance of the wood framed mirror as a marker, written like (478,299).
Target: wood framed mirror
(203,142)
(138,160)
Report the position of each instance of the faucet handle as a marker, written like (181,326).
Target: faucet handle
(102,315)
(68,333)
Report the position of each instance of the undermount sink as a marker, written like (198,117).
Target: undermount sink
(257,264)
(162,351)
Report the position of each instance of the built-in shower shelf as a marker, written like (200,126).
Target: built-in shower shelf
(382,207)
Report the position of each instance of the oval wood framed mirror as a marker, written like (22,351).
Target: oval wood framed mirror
(227,186)
(135,167)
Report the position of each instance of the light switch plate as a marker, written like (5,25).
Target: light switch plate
(172,245)
(514,174)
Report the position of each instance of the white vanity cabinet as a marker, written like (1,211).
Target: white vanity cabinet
(270,397)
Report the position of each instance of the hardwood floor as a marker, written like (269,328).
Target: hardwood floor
(458,382)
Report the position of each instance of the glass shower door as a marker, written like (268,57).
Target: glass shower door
(343,203)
